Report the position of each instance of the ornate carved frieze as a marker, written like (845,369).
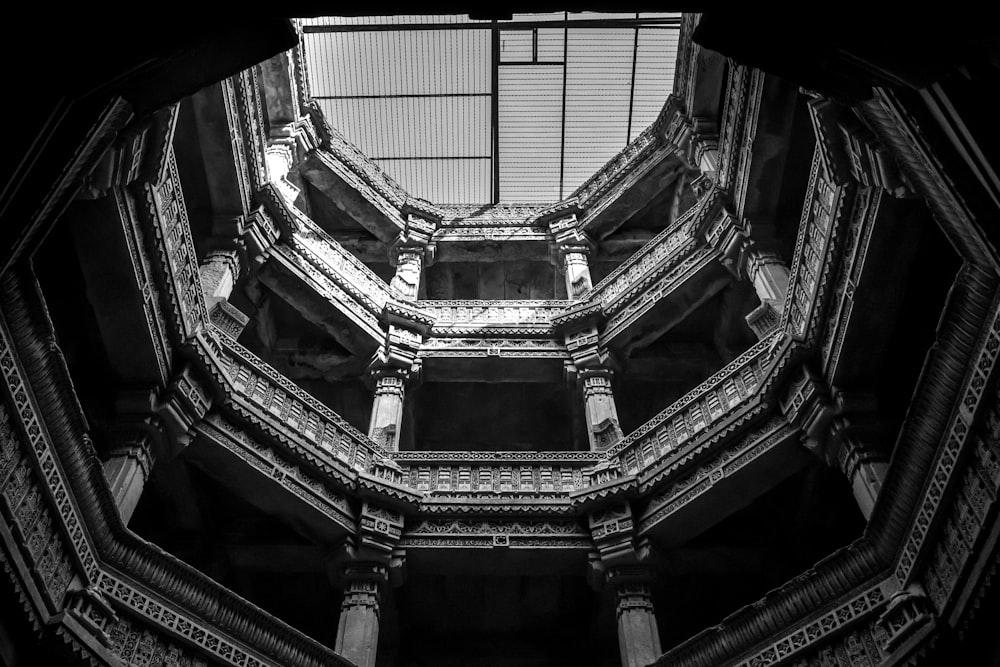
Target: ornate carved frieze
(744,150)
(480,317)
(734,108)
(251,112)
(165,208)
(26,499)
(698,410)
(138,645)
(357,168)
(647,259)
(954,547)
(142,265)
(237,118)
(821,630)
(857,237)
(975,496)
(362,311)
(270,398)
(641,150)
(625,311)
(633,189)
(326,255)
(699,480)
(826,209)
(520,348)
(198,637)
(305,484)
(489,474)
(493,533)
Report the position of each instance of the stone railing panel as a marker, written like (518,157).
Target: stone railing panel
(487,474)
(478,314)
(292,411)
(697,412)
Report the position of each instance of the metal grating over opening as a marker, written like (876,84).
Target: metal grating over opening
(479,112)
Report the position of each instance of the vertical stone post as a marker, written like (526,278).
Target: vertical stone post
(576,270)
(769,276)
(569,252)
(387,408)
(591,365)
(603,428)
(411,252)
(219,273)
(128,468)
(409,268)
(357,630)
(705,144)
(863,462)
(638,636)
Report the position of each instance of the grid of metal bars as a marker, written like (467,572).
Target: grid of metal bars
(477,112)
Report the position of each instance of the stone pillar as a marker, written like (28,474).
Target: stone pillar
(569,252)
(603,428)
(576,270)
(138,438)
(357,630)
(705,143)
(638,636)
(219,273)
(410,252)
(409,267)
(769,277)
(863,463)
(127,470)
(387,409)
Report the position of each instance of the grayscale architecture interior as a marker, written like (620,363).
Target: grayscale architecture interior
(550,337)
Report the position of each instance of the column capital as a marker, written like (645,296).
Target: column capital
(907,613)
(638,635)
(613,531)
(358,627)
(414,241)
(379,531)
(705,145)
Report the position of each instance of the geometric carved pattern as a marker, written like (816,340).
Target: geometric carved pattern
(951,557)
(815,632)
(685,419)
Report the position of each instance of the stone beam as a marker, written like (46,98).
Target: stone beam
(347,193)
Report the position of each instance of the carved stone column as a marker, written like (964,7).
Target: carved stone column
(862,460)
(603,427)
(577,270)
(769,276)
(705,142)
(638,636)
(409,262)
(219,273)
(128,468)
(387,408)
(620,558)
(569,252)
(411,251)
(357,630)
